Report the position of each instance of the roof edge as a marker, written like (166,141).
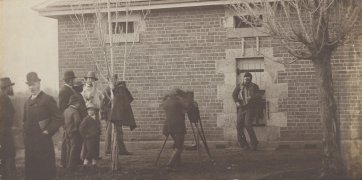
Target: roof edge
(43,10)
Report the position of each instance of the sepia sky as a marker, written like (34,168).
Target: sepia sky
(28,42)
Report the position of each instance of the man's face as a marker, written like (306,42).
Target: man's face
(71,82)
(34,88)
(89,81)
(247,80)
(91,112)
(9,91)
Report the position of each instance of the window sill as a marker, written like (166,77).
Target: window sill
(245,32)
(119,38)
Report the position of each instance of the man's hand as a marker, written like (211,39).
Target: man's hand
(237,104)
(46,132)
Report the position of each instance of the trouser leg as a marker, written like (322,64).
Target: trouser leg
(74,153)
(91,145)
(121,146)
(240,126)
(249,127)
(63,151)
(98,139)
(8,168)
(175,158)
(108,138)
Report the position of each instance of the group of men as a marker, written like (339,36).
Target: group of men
(81,106)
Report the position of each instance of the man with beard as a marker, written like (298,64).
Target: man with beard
(246,99)
(92,97)
(7,148)
(42,119)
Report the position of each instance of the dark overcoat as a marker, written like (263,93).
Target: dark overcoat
(7,148)
(40,113)
(121,111)
(64,96)
(83,108)
(175,116)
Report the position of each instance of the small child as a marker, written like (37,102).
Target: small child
(90,131)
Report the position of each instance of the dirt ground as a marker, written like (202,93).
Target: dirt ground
(227,164)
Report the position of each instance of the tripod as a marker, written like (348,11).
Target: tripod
(194,117)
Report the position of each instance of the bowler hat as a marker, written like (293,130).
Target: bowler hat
(91,74)
(78,83)
(32,77)
(5,82)
(69,75)
(74,99)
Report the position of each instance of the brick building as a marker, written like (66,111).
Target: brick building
(196,44)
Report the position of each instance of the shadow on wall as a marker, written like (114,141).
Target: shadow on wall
(18,101)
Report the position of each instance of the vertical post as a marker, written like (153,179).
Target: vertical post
(257,44)
(125,44)
(114,156)
(242,46)
(110,35)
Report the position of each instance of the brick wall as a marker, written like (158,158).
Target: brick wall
(181,48)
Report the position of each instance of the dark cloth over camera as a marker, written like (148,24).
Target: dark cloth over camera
(121,111)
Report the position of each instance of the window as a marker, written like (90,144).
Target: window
(255,66)
(132,24)
(120,27)
(239,23)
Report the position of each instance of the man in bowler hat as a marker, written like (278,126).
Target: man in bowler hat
(42,119)
(64,95)
(7,148)
(67,90)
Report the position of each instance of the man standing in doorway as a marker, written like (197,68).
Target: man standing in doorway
(246,99)
(7,147)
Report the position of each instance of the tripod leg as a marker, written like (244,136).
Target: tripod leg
(203,138)
(196,140)
(163,146)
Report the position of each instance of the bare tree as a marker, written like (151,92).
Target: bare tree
(102,17)
(310,30)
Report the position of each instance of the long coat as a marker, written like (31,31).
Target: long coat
(175,116)
(121,112)
(40,113)
(7,148)
(64,96)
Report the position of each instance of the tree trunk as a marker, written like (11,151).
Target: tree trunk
(332,164)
